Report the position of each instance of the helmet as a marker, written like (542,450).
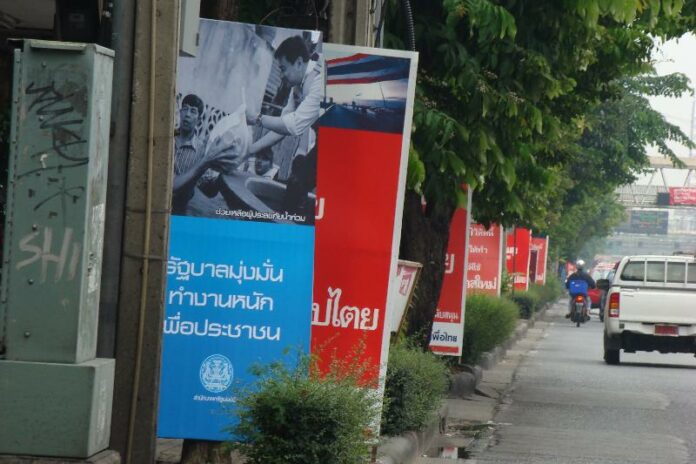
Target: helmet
(580,264)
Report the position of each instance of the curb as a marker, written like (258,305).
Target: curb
(103,457)
(406,448)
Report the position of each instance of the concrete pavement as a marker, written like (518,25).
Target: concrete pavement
(472,417)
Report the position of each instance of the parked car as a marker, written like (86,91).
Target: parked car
(650,306)
(599,272)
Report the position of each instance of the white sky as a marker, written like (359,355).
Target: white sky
(677,56)
(670,57)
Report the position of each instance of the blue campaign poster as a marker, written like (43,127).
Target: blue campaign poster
(241,256)
(238,293)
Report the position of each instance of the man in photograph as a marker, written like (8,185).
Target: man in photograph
(306,78)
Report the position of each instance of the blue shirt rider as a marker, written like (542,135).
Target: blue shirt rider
(578,283)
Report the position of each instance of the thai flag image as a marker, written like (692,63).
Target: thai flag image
(365,69)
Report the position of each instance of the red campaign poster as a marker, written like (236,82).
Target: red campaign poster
(517,257)
(362,153)
(485,249)
(448,324)
(682,196)
(540,247)
(353,244)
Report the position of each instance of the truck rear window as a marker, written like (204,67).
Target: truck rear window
(656,271)
(676,273)
(692,273)
(634,271)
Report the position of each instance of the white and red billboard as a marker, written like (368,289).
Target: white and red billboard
(540,251)
(682,196)
(448,325)
(362,157)
(485,259)
(517,257)
(407,273)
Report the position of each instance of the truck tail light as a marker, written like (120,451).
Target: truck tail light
(614,301)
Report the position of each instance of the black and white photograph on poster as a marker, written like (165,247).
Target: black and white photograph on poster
(245,140)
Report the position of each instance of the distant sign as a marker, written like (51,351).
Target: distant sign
(682,196)
(649,221)
(541,246)
(483,274)
(517,254)
(448,324)
(407,273)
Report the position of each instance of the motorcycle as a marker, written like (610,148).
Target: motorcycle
(578,312)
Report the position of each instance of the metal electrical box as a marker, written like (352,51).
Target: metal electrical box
(56,201)
(51,409)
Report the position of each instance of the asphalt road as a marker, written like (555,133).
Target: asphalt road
(567,406)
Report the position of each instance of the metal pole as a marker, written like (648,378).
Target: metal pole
(514,256)
(148,201)
(122,43)
(691,131)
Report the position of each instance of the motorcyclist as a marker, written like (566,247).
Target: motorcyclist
(579,275)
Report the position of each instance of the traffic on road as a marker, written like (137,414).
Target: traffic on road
(566,405)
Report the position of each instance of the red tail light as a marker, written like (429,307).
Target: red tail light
(579,298)
(614,301)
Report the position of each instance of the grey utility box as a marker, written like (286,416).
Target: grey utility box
(51,409)
(56,201)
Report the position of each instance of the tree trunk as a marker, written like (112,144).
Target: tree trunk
(424,237)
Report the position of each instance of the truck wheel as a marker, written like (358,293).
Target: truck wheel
(612,357)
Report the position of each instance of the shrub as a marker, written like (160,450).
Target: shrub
(292,417)
(489,322)
(553,287)
(505,282)
(528,302)
(547,293)
(415,385)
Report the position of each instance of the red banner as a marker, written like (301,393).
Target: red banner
(448,324)
(485,249)
(353,247)
(361,175)
(682,196)
(540,250)
(517,257)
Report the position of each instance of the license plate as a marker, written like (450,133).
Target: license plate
(669,330)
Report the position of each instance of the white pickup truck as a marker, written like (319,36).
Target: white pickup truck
(650,306)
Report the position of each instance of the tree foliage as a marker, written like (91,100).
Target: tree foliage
(538,105)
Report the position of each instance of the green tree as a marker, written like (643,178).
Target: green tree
(504,92)
(611,151)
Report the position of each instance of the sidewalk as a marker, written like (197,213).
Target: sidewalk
(471,418)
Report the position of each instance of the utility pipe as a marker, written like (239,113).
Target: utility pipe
(148,227)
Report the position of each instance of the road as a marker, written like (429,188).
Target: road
(567,406)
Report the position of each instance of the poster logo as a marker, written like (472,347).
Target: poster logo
(216,373)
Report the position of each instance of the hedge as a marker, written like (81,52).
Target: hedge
(489,322)
(415,385)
